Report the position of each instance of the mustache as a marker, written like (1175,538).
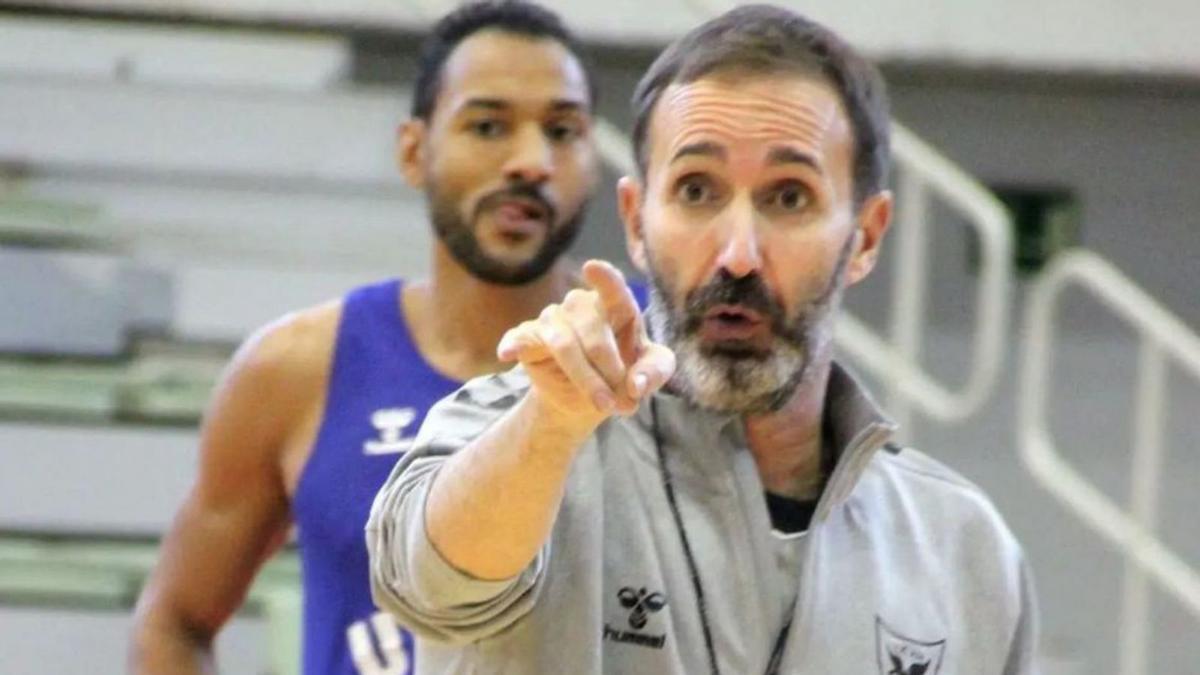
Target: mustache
(749,291)
(518,190)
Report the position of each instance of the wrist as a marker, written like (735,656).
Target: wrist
(554,420)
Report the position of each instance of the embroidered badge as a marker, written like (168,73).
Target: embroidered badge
(899,654)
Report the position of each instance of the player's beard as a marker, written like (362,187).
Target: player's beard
(737,378)
(461,240)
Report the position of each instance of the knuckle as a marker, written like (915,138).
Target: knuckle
(558,340)
(582,304)
(575,297)
(596,386)
(597,350)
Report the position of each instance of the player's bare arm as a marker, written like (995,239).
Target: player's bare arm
(253,440)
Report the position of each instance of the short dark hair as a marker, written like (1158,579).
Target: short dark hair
(509,16)
(767,39)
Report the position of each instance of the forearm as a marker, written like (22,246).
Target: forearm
(491,507)
(163,648)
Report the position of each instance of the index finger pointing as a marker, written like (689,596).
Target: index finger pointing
(620,306)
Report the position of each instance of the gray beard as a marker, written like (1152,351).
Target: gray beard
(741,382)
(728,382)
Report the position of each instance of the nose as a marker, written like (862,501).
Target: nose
(530,161)
(741,252)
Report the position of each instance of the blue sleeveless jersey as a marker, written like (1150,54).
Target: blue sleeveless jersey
(380,388)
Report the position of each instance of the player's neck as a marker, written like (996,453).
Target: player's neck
(458,319)
(786,443)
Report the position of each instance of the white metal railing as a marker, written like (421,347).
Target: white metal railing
(896,358)
(1162,336)
(926,173)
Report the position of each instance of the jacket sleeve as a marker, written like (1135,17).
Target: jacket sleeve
(1022,656)
(409,578)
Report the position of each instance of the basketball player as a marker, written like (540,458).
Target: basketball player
(753,516)
(316,407)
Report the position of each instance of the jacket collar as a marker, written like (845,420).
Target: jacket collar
(857,428)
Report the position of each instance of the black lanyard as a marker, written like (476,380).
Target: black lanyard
(669,488)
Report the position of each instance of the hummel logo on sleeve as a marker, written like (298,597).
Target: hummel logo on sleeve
(642,605)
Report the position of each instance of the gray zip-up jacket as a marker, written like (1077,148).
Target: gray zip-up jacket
(906,569)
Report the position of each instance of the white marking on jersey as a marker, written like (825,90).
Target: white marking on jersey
(391,423)
(391,646)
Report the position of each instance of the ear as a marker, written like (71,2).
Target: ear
(629,203)
(873,220)
(411,143)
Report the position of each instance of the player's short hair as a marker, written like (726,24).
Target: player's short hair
(767,39)
(510,16)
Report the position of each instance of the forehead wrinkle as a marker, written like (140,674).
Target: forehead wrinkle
(752,122)
(767,104)
(803,115)
(706,92)
(780,130)
(811,137)
(762,118)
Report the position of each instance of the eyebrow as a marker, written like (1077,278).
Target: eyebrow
(488,103)
(779,156)
(557,105)
(701,149)
(567,105)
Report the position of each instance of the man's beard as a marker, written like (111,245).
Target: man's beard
(732,376)
(460,238)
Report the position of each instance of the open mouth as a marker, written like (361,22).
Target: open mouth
(526,207)
(520,219)
(733,316)
(732,324)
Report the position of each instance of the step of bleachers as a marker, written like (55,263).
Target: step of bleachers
(207,190)
(100,50)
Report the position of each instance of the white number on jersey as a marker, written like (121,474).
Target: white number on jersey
(391,646)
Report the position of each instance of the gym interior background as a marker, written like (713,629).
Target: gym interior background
(173,175)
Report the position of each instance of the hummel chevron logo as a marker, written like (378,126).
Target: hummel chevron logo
(641,604)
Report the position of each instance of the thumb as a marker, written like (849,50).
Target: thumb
(651,371)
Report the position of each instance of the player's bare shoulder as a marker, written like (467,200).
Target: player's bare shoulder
(269,401)
(295,349)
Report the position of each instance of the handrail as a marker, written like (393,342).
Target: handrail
(896,359)
(1162,336)
(926,172)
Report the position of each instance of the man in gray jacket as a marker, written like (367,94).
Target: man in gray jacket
(708,492)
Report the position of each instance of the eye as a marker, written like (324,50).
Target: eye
(560,132)
(487,128)
(790,196)
(694,190)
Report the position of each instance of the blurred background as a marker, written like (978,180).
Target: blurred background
(175,174)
